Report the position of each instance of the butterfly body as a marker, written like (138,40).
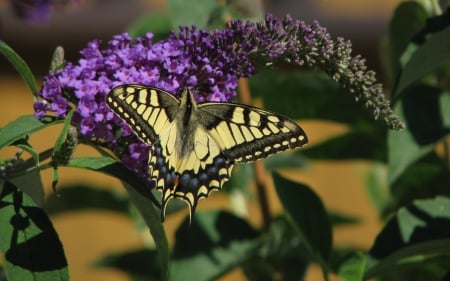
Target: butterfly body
(193,146)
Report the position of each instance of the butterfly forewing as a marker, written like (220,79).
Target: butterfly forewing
(148,111)
(193,146)
(247,133)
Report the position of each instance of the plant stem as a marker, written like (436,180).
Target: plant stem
(245,98)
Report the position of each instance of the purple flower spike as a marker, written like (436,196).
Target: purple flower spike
(208,62)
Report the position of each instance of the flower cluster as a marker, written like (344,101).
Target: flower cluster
(193,58)
(210,62)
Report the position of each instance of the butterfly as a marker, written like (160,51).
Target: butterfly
(193,146)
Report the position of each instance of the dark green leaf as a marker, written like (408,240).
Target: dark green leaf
(285,248)
(308,95)
(152,218)
(258,270)
(31,184)
(215,243)
(188,13)
(22,126)
(337,218)
(285,160)
(416,233)
(158,24)
(419,60)
(80,197)
(355,144)
(424,179)
(408,19)
(141,264)
(353,268)
(309,215)
(20,65)
(425,110)
(31,247)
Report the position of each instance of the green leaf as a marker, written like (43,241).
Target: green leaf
(158,24)
(376,186)
(417,232)
(353,268)
(408,19)
(31,184)
(186,13)
(213,244)
(285,160)
(285,248)
(80,197)
(63,134)
(425,179)
(22,144)
(22,126)
(31,247)
(20,65)
(141,264)
(309,215)
(354,144)
(426,111)
(420,60)
(152,218)
(417,236)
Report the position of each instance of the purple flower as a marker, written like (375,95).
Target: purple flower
(208,62)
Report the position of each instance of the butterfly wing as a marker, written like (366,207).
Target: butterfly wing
(246,133)
(184,164)
(148,111)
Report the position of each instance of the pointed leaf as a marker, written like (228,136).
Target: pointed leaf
(31,247)
(419,60)
(22,126)
(353,268)
(20,65)
(427,114)
(31,184)
(408,19)
(417,235)
(308,213)
(215,243)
